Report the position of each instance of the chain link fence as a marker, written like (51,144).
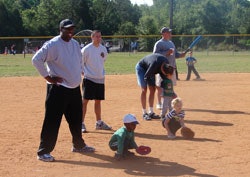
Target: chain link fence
(135,43)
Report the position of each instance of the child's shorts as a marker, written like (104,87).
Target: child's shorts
(173,125)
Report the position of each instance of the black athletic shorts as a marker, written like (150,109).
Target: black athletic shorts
(92,90)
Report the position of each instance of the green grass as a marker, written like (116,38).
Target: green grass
(16,65)
(219,62)
(124,63)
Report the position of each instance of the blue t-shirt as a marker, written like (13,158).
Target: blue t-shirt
(190,61)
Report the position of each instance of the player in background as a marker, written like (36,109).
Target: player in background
(190,61)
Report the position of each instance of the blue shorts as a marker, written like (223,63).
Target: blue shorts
(140,73)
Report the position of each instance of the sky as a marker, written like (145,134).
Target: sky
(139,2)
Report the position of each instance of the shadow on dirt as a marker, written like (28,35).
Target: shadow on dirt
(208,123)
(139,166)
(165,138)
(218,111)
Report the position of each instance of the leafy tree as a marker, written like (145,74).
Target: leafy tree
(82,11)
(41,17)
(239,11)
(3,20)
(10,21)
(160,10)
(105,16)
(27,4)
(147,26)
(127,28)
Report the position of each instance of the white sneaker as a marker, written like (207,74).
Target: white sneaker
(171,136)
(102,126)
(46,158)
(159,106)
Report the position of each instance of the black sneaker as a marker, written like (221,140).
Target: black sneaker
(128,153)
(153,116)
(146,116)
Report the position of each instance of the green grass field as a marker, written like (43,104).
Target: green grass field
(124,63)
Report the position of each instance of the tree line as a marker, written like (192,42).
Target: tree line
(121,17)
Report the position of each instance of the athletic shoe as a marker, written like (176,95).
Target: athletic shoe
(128,153)
(197,79)
(146,117)
(102,126)
(152,115)
(84,130)
(46,158)
(83,149)
(159,106)
(171,136)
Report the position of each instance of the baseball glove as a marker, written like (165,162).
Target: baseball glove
(143,150)
(187,133)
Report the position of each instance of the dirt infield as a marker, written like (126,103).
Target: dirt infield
(216,109)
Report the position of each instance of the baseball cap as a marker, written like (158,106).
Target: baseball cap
(130,118)
(66,23)
(165,29)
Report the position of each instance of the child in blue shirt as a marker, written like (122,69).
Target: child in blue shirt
(190,61)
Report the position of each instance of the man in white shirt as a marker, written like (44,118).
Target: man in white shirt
(93,57)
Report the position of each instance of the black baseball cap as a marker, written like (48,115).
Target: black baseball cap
(66,23)
(165,30)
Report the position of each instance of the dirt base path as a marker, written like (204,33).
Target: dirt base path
(218,110)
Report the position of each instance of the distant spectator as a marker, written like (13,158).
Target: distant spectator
(5,50)
(134,46)
(12,49)
(108,46)
(81,45)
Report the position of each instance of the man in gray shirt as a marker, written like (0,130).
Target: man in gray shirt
(162,46)
(59,61)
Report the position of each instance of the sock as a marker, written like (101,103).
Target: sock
(144,111)
(151,110)
(99,122)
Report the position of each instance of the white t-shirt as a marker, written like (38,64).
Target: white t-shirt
(93,59)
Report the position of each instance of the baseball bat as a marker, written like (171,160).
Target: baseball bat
(196,40)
